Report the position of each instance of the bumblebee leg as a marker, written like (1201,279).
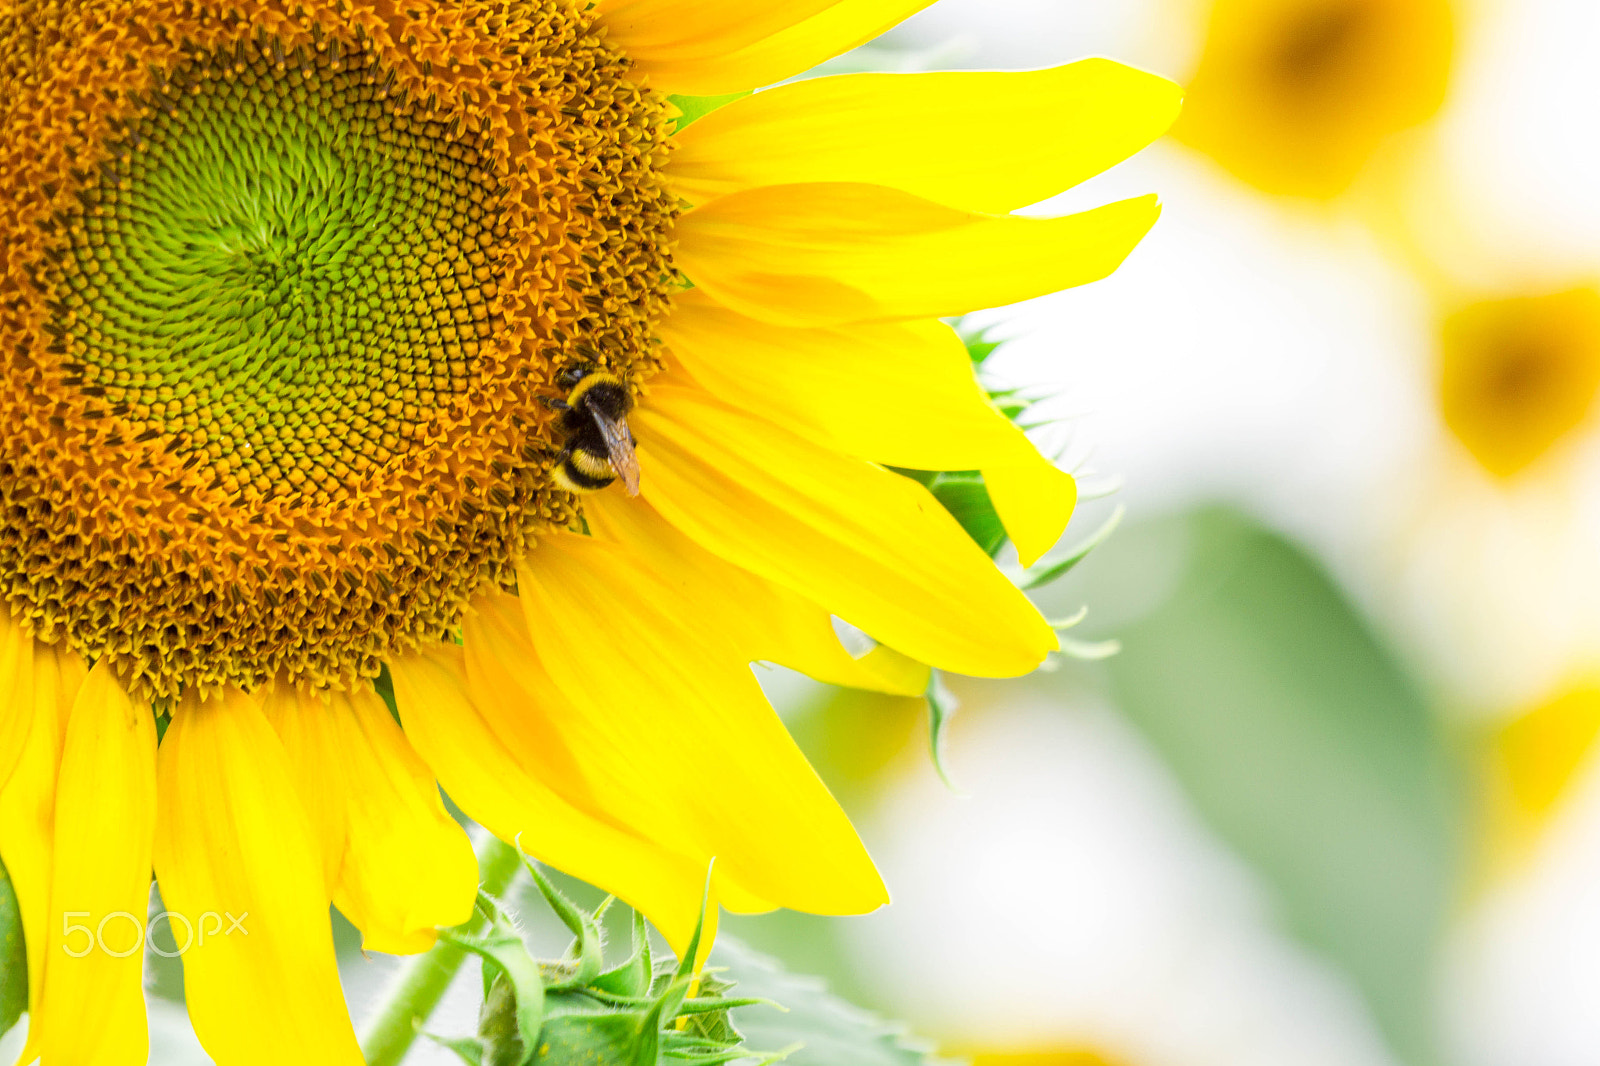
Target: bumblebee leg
(555,404)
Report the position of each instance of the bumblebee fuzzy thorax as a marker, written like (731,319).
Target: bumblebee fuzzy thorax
(599,445)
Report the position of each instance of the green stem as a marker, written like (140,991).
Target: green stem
(423,980)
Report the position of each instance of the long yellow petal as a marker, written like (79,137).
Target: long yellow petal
(876,548)
(901,393)
(655,705)
(1037,132)
(16,692)
(834,253)
(397,863)
(548,736)
(763,621)
(712,47)
(236,856)
(27,810)
(92,1010)
(494,788)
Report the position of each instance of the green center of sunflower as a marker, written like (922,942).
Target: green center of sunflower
(282,297)
(282,272)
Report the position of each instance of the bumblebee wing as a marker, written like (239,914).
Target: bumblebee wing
(619,449)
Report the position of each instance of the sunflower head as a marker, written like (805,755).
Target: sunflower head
(1519,374)
(280,299)
(1294,96)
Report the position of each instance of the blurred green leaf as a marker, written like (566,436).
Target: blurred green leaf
(1309,750)
(830,1031)
(13,957)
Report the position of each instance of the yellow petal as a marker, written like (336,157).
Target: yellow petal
(16,692)
(235,845)
(548,737)
(664,32)
(496,790)
(874,547)
(901,393)
(763,621)
(830,254)
(92,1010)
(1039,132)
(28,803)
(1035,500)
(712,47)
(399,864)
(655,708)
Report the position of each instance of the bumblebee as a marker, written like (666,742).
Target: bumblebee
(599,446)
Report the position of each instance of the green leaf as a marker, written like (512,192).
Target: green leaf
(1306,746)
(829,1031)
(13,957)
(695,108)
(1038,579)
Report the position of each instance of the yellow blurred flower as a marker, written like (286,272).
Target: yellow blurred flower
(298,303)
(1519,374)
(1296,96)
(1532,761)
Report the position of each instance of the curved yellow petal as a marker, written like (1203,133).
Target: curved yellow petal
(27,809)
(397,863)
(667,32)
(717,47)
(237,857)
(547,736)
(1037,132)
(1035,500)
(16,692)
(901,393)
(450,733)
(764,621)
(834,253)
(874,547)
(656,706)
(92,1009)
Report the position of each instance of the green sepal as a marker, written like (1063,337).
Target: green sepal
(818,1028)
(586,949)
(979,346)
(694,108)
(633,977)
(966,497)
(468,1048)
(514,1001)
(13,957)
(1038,579)
(942,706)
(1090,651)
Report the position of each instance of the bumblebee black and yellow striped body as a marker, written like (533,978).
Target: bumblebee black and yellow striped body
(599,446)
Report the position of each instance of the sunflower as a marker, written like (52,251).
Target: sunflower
(1296,96)
(1519,374)
(296,305)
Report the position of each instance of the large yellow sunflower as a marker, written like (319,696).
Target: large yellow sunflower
(292,296)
